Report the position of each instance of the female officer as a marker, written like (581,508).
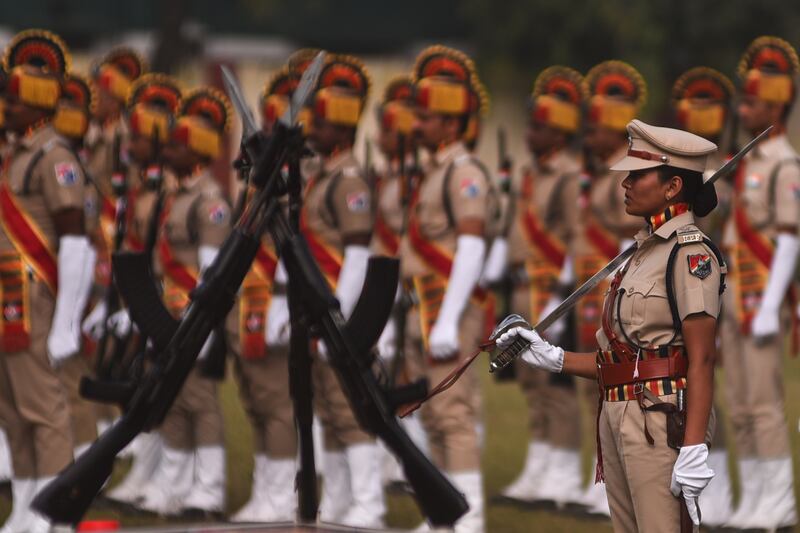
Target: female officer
(657,338)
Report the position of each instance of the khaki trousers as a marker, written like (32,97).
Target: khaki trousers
(195,419)
(553,409)
(264,390)
(450,419)
(339,425)
(754,388)
(33,407)
(82,411)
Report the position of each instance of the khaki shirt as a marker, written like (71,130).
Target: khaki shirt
(335,214)
(552,198)
(769,203)
(100,146)
(56,182)
(470,197)
(389,208)
(644,310)
(198,216)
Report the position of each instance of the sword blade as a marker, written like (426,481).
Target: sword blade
(731,164)
(249,127)
(308,82)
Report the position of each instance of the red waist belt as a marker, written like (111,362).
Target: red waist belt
(614,374)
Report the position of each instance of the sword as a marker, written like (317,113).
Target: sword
(502,359)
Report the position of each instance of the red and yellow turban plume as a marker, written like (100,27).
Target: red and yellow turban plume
(767,70)
(616,94)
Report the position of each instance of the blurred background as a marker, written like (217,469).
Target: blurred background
(511,42)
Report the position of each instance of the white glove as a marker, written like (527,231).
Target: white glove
(93,323)
(496,263)
(206,256)
(351,277)
(690,475)
(278,328)
(467,265)
(120,323)
(766,322)
(557,328)
(540,353)
(76,259)
(387,347)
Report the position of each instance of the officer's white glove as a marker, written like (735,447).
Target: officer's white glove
(76,259)
(495,263)
(690,475)
(766,322)
(278,328)
(120,323)
(93,323)
(387,343)
(467,265)
(540,353)
(555,331)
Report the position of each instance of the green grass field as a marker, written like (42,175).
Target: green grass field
(502,459)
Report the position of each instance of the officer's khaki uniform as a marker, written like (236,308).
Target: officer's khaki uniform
(548,190)
(450,418)
(336,205)
(388,214)
(197,216)
(33,406)
(768,193)
(637,474)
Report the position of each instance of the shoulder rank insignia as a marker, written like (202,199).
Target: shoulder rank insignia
(700,265)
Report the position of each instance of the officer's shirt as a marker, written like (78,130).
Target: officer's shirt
(644,311)
(56,183)
(389,207)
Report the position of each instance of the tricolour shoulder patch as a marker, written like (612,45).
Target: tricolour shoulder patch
(700,265)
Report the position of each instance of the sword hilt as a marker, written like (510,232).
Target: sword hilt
(500,359)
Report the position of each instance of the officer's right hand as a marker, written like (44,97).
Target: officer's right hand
(387,343)
(443,340)
(93,323)
(278,327)
(120,323)
(540,353)
(765,323)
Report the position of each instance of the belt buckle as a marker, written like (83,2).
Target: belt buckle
(638,388)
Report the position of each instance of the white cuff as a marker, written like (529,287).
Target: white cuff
(496,262)
(467,264)
(76,259)
(351,277)
(206,256)
(781,272)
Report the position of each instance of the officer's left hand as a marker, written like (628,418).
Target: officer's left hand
(443,340)
(766,323)
(690,475)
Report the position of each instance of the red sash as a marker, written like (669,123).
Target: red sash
(389,239)
(550,247)
(28,239)
(328,258)
(254,303)
(179,279)
(601,239)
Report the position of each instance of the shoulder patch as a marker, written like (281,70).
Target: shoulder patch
(217,213)
(66,173)
(357,202)
(469,187)
(699,265)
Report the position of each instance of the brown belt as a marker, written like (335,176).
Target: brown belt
(613,374)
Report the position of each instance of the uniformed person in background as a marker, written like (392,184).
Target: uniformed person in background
(545,221)
(71,120)
(258,330)
(153,101)
(393,191)
(196,221)
(657,346)
(762,243)
(616,93)
(443,252)
(702,99)
(47,262)
(106,163)
(336,222)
